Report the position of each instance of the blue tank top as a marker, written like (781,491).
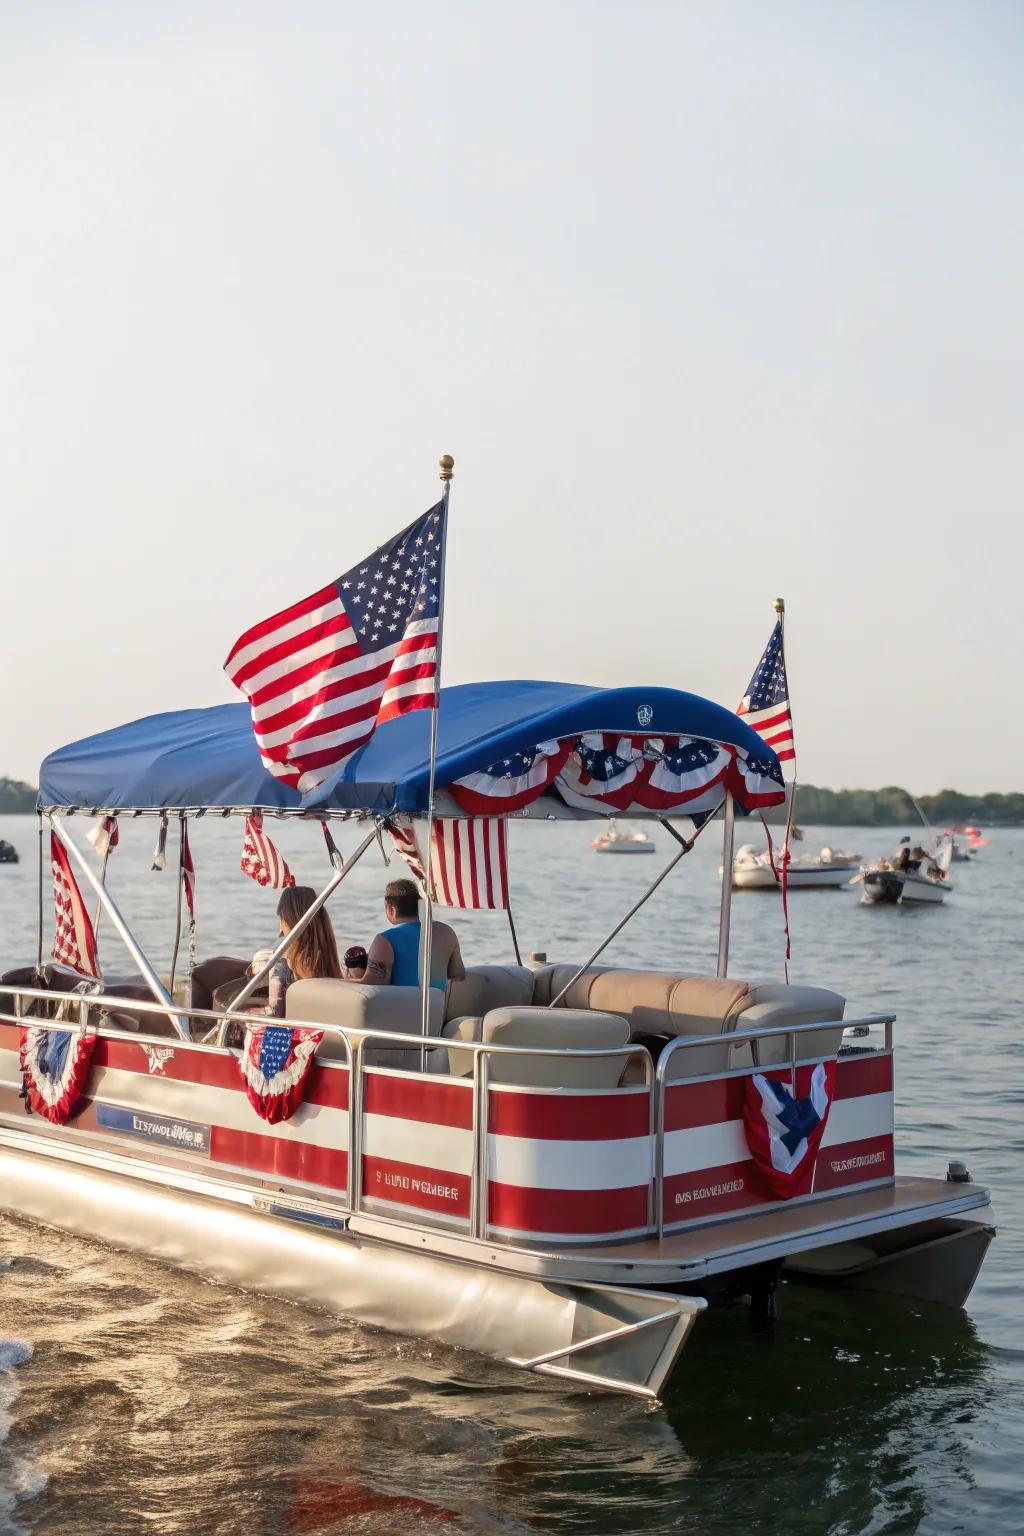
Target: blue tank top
(404,939)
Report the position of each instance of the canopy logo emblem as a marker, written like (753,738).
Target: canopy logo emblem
(645,714)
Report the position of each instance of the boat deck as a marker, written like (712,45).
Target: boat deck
(715,1247)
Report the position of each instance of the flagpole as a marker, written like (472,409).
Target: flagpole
(446,466)
(780,609)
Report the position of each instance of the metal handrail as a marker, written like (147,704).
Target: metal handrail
(356,1040)
(754,1036)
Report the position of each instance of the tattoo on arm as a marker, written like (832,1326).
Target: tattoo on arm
(375,971)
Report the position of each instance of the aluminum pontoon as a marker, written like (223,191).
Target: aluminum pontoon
(562,1173)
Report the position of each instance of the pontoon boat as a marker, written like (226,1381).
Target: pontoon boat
(566,1169)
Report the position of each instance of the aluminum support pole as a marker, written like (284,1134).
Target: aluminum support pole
(725,911)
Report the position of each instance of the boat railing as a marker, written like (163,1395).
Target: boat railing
(655,1081)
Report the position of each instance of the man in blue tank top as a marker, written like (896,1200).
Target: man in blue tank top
(394,955)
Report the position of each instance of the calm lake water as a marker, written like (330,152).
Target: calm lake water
(135,1399)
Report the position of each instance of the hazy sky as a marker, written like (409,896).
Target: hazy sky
(710,301)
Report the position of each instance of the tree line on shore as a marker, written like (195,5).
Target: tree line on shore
(892,807)
(888,807)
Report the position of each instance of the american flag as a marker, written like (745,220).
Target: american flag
(188,883)
(74,942)
(261,860)
(323,674)
(765,705)
(468,861)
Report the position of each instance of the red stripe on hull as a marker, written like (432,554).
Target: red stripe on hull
(597,1211)
(710,1191)
(327,1085)
(273,1156)
(408,1184)
(855,1162)
(688,1105)
(580,1117)
(417,1098)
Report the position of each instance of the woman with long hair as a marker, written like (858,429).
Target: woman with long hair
(314,954)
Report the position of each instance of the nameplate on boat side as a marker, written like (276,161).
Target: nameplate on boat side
(184,1135)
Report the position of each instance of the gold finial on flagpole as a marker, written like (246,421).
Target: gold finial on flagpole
(447,465)
(780,605)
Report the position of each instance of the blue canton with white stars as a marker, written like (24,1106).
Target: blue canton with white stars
(689,756)
(602,764)
(516,766)
(275,1049)
(398,585)
(768,685)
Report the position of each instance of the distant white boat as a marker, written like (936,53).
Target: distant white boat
(614,841)
(752,871)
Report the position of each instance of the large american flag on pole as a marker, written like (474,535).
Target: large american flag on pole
(468,861)
(765,705)
(321,675)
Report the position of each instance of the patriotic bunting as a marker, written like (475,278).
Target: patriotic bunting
(404,839)
(261,860)
(605,769)
(687,775)
(74,942)
(755,781)
(54,1067)
(276,1061)
(513,782)
(784,1131)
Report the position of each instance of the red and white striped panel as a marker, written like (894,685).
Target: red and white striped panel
(563,1165)
(569,1165)
(172,1082)
(708,1167)
(417,1144)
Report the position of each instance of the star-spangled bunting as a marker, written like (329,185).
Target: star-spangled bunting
(322,675)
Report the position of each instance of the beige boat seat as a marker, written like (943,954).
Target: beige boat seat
(567,1029)
(490,986)
(356,1006)
(667,1004)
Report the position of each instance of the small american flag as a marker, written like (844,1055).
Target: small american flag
(765,705)
(188,885)
(74,942)
(323,674)
(105,835)
(260,859)
(468,861)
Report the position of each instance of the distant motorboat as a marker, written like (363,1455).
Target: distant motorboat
(8,853)
(753,871)
(920,881)
(614,841)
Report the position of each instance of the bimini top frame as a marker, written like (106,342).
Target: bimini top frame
(206,761)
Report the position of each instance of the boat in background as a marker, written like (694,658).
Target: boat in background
(920,882)
(754,871)
(614,841)
(8,852)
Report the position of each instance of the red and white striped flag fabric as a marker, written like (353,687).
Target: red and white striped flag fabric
(188,885)
(404,839)
(260,859)
(322,675)
(74,942)
(105,835)
(765,705)
(469,863)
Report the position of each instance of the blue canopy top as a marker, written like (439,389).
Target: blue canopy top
(195,758)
